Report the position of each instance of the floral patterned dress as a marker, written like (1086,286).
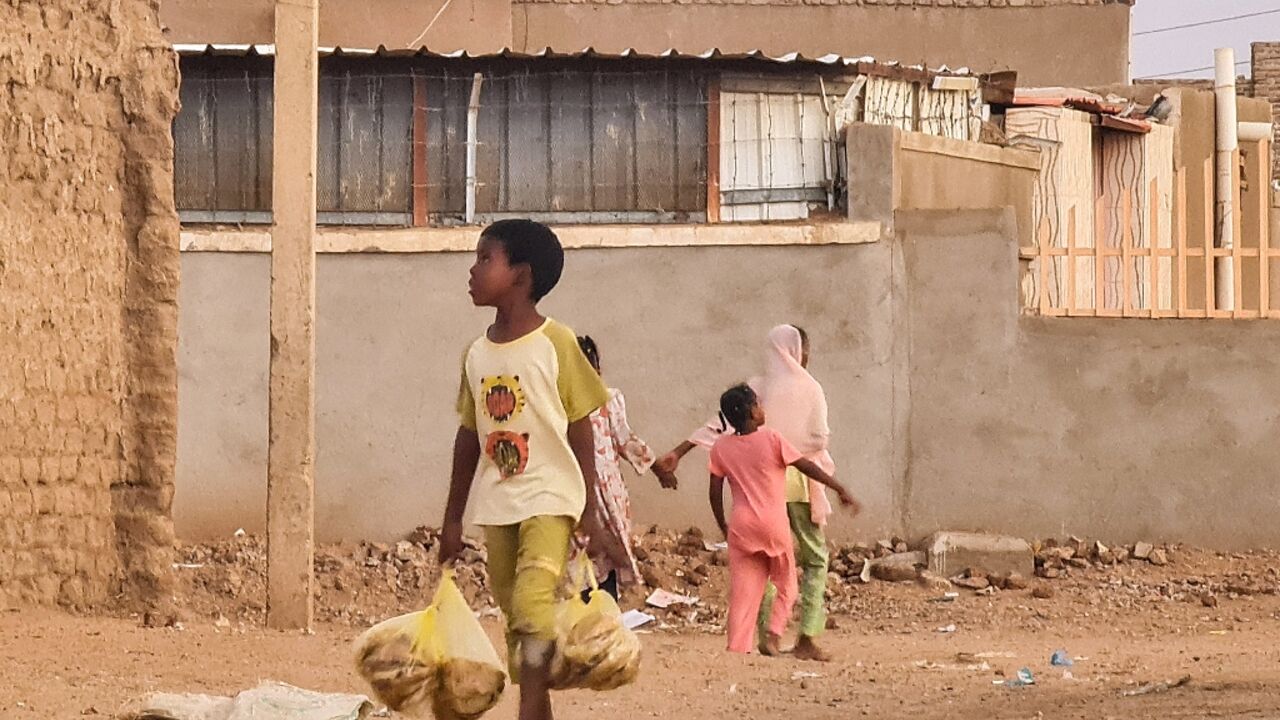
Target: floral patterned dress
(616,442)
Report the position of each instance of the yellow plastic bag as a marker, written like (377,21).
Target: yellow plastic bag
(594,650)
(438,659)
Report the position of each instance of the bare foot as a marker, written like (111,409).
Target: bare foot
(807,649)
(770,645)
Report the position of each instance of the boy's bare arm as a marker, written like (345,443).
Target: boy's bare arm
(811,470)
(716,495)
(466,456)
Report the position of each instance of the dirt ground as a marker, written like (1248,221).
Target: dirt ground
(1210,617)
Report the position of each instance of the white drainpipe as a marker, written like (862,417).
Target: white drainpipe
(1224,88)
(473,120)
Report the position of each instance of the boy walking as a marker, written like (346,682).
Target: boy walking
(524,451)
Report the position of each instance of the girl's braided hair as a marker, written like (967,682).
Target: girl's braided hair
(735,407)
(590,350)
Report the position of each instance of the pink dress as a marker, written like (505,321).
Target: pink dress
(760,544)
(615,442)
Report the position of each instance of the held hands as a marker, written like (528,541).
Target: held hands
(666,478)
(667,464)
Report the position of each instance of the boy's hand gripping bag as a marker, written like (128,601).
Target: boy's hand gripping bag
(438,659)
(594,650)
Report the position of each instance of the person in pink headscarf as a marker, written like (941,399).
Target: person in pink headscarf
(796,407)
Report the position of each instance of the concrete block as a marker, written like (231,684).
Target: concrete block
(951,552)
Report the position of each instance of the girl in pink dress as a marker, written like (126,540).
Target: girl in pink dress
(754,460)
(615,441)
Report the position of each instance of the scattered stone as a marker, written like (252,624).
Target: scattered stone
(720,558)
(893,572)
(1042,592)
(898,567)
(1142,550)
(1209,600)
(1078,562)
(1158,558)
(972,583)
(1049,573)
(933,583)
(1016,581)
(949,552)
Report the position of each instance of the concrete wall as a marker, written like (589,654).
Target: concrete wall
(1115,429)
(391,328)
(950,409)
(477,25)
(1037,41)
(891,171)
(88,283)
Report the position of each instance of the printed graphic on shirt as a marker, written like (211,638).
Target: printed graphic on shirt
(509,451)
(503,398)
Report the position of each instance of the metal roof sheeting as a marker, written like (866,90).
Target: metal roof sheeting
(866,65)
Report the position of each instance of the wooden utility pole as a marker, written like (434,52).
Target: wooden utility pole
(292,441)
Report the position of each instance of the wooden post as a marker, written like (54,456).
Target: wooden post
(419,150)
(1180,213)
(1237,234)
(291,442)
(1210,260)
(1153,245)
(713,149)
(1099,260)
(1264,229)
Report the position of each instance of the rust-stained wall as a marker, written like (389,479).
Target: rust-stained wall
(88,316)
(1038,39)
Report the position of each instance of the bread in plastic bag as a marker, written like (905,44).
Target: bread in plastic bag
(438,660)
(594,650)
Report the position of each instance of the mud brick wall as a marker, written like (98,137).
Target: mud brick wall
(88,308)
(1266,84)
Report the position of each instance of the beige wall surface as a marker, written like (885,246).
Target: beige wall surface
(949,408)
(1042,43)
(473,25)
(1068,45)
(676,326)
(1119,429)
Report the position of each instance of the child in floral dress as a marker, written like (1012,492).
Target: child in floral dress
(615,442)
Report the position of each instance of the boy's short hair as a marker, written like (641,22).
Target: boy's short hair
(532,243)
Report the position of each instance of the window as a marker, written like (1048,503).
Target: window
(364,168)
(222,140)
(776,156)
(570,145)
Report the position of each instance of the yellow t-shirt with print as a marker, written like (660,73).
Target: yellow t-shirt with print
(520,397)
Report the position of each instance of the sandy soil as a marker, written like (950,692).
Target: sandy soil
(1207,616)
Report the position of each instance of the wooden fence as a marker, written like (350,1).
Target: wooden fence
(1107,272)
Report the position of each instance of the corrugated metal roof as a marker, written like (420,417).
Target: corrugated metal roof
(862,64)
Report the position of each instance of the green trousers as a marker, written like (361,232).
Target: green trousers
(812,558)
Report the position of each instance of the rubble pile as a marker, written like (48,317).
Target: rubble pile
(361,583)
